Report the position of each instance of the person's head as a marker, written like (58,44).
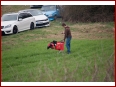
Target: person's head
(63,24)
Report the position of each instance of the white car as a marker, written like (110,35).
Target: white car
(13,23)
(41,19)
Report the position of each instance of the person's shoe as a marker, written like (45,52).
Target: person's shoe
(68,52)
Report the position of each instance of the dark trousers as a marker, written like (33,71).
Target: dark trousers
(68,45)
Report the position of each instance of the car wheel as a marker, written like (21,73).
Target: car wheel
(3,33)
(15,30)
(32,26)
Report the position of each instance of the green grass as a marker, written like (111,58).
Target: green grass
(33,62)
(25,57)
(13,8)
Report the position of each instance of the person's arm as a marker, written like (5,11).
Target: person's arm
(65,34)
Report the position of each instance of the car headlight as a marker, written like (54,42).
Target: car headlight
(7,26)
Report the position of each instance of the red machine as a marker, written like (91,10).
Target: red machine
(56,45)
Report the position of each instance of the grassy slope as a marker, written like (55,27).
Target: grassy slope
(13,8)
(25,57)
(33,62)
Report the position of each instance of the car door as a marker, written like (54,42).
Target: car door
(29,19)
(26,21)
(22,23)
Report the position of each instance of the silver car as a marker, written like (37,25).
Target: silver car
(40,18)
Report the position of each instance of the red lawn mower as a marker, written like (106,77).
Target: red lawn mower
(57,45)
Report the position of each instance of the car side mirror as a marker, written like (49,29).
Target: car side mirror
(20,19)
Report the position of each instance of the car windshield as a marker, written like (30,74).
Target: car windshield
(9,17)
(48,8)
(35,12)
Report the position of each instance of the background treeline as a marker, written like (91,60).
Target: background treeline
(88,13)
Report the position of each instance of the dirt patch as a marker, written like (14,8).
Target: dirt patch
(92,31)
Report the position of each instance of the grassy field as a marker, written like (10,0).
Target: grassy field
(25,57)
(13,8)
